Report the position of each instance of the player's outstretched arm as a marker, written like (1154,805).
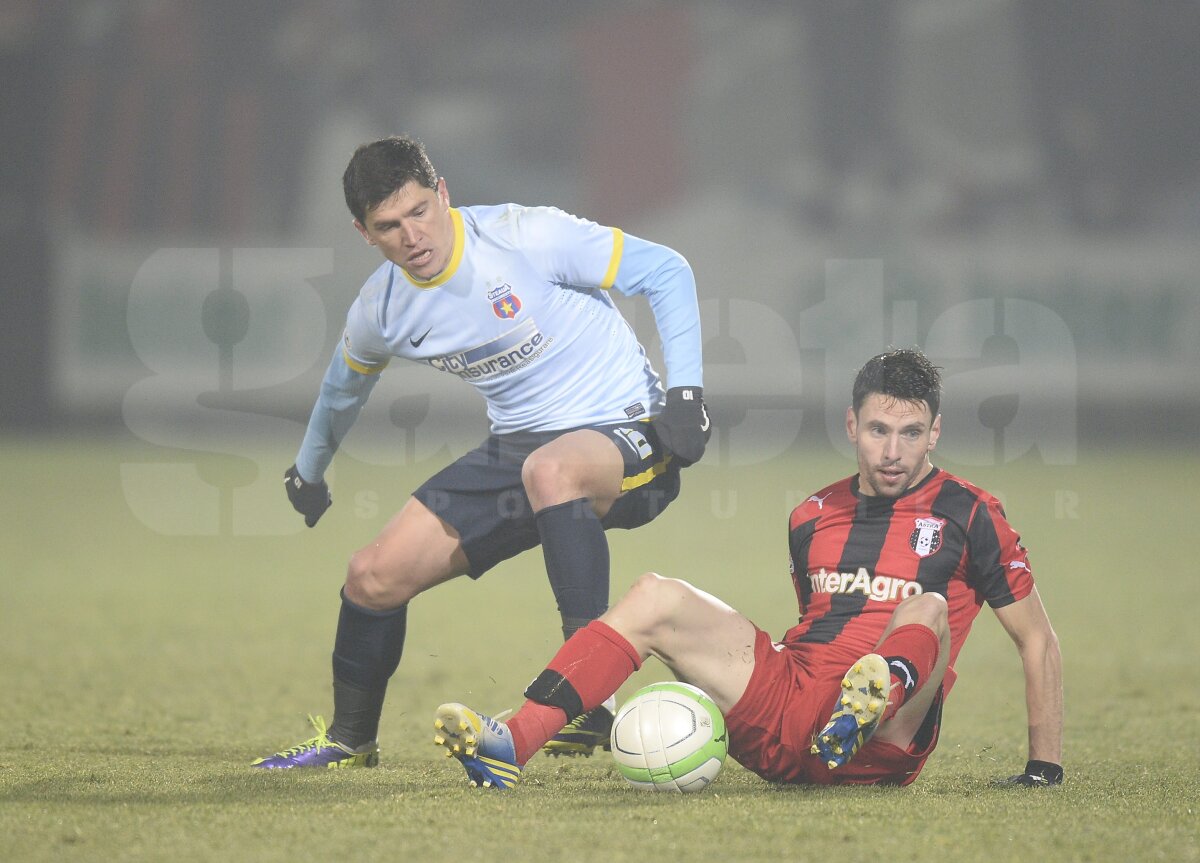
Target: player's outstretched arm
(344,391)
(666,280)
(1028,625)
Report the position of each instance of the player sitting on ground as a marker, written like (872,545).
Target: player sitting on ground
(890,567)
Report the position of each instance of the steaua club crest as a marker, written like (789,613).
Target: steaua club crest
(506,306)
(926,539)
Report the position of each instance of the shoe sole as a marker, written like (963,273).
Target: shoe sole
(572,748)
(358,761)
(456,732)
(864,696)
(577,740)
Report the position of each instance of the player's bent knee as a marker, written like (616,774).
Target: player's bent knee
(654,601)
(643,588)
(545,479)
(369,587)
(928,609)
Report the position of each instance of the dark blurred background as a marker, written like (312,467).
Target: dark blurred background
(1014,185)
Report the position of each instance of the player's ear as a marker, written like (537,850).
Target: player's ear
(443,193)
(851,425)
(363,230)
(935,431)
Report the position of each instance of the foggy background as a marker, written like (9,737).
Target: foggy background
(1013,185)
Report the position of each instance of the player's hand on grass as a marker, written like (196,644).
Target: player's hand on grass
(310,499)
(683,426)
(1038,774)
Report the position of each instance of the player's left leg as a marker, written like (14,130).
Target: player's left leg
(916,646)
(572,483)
(887,693)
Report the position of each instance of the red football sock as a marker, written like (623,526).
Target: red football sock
(911,652)
(595,661)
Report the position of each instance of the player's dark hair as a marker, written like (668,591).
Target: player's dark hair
(378,169)
(907,375)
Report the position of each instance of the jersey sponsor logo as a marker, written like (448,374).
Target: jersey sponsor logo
(505,303)
(881,588)
(819,501)
(635,410)
(501,356)
(1019,564)
(926,537)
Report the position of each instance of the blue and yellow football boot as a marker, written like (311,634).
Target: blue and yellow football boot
(483,746)
(860,707)
(321,751)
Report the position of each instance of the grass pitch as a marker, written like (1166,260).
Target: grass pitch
(143,672)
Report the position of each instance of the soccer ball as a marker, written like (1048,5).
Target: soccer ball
(670,737)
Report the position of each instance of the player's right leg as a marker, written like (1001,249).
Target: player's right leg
(415,551)
(701,639)
(481,744)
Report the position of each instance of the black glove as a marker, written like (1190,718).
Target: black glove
(683,426)
(1038,774)
(310,499)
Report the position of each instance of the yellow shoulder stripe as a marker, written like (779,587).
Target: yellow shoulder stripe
(362,368)
(614,263)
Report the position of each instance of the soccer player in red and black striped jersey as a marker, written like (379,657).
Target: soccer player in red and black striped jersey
(890,567)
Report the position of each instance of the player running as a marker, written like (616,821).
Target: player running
(516,302)
(890,567)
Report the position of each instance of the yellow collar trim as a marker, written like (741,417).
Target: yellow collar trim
(455,257)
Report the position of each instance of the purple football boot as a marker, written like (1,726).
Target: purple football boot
(320,751)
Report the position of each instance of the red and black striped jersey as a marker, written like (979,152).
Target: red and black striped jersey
(854,557)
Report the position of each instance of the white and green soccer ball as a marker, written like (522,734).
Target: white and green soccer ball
(670,737)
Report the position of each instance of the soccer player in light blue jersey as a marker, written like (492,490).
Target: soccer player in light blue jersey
(515,301)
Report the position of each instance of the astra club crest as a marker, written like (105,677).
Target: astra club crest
(926,537)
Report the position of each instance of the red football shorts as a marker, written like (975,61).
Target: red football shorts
(789,699)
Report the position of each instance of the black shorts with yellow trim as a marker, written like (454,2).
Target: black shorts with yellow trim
(482,497)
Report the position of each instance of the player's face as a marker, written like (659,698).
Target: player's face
(413,229)
(893,440)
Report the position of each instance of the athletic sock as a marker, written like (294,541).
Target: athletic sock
(585,672)
(576,553)
(366,653)
(911,651)
(356,713)
(532,727)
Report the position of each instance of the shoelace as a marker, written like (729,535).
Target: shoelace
(577,722)
(320,741)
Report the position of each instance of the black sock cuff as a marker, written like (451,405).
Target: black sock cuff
(908,676)
(369,612)
(554,690)
(580,507)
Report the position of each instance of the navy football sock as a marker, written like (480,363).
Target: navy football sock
(576,553)
(366,653)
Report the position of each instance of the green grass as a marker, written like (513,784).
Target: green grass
(141,673)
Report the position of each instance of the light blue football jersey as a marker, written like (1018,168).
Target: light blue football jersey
(522,312)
